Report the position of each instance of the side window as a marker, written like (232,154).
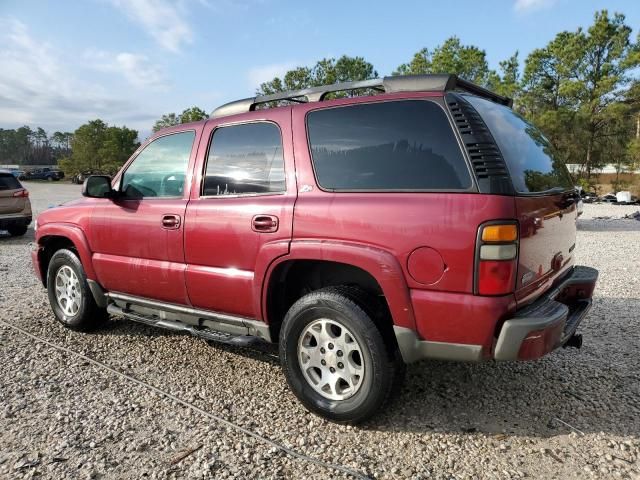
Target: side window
(245,159)
(393,146)
(160,169)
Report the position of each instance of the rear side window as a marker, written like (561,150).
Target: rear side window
(528,154)
(245,159)
(9,182)
(394,146)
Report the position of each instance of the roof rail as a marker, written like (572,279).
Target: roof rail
(405,83)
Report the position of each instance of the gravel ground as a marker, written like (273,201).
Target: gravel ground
(573,414)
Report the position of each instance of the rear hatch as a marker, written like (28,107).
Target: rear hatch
(9,202)
(545,199)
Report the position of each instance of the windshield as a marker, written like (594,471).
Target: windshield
(528,154)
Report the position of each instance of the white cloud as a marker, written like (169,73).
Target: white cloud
(524,6)
(265,73)
(164,20)
(38,86)
(137,69)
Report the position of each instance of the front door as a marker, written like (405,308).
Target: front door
(241,217)
(137,238)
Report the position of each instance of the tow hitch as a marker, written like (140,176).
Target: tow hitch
(574,341)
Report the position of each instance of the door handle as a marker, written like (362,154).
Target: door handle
(171,222)
(264,223)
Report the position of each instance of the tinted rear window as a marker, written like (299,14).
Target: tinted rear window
(9,182)
(402,145)
(529,156)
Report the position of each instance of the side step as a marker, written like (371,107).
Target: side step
(206,333)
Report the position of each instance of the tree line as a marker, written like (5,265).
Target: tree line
(581,89)
(93,147)
(24,146)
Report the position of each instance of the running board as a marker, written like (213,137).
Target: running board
(188,316)
(206,333)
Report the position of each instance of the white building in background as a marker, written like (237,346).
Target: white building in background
(610,168)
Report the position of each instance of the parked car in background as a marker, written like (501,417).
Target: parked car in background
(609,198)
(589,197)
(17,173)
(359,233)
(15,207)
(80,177)
(49,174)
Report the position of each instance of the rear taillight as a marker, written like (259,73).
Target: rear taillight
(496,258)
(21,193)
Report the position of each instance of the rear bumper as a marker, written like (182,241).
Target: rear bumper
(463,327)
(550,321)
(17,219)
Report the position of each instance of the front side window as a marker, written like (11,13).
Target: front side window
(160,169)
(393,146)
(245,159)
(528,154)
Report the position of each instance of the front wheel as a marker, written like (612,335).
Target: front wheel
(69,294)
(335,358)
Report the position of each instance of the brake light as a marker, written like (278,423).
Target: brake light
(497,259)
(21,193)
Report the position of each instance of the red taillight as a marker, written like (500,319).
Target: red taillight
(497,253)
(496,277)
(21,193)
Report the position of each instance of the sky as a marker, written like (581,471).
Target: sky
(63,63)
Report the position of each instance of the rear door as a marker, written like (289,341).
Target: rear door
(10,202)
(241,217)
(545,199)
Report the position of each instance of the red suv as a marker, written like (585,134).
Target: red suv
(361,233)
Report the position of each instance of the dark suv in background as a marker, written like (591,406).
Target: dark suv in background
(49,174)
(426,220)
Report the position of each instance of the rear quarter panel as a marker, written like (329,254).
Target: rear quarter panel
(398,223)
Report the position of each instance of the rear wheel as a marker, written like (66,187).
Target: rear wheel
(335,358)
(17,230)
(69,294)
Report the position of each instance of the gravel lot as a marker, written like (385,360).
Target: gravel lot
(574,414)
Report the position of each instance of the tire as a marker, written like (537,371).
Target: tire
(17,230)
(79,311)
(50,179)
(308,327)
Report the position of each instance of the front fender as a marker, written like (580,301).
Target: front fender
(75,235)
(380,264)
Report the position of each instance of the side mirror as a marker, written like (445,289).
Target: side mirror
(98,186)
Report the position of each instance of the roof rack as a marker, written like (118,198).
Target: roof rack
(405,83)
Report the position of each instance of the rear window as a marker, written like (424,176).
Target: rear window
(528,154)
(9,182)
(395,146)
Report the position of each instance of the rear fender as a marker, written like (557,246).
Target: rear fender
(380,264)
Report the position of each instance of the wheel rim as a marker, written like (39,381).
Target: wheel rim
(331,359)
(68,293)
